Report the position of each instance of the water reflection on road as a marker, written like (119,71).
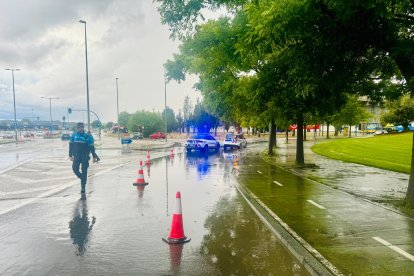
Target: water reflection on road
(117,228)
(81,226)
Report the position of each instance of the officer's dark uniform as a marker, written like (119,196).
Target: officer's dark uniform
(80,145)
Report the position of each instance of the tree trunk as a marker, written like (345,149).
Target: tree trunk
(304,132)
(407,69)
(287,135)
(300,158)
(272,137)
(349,131)
(327,130)
(409,197)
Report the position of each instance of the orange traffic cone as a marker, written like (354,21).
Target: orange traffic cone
(177,229)
(148,158)
(140,180)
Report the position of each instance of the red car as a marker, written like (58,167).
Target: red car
(157,135)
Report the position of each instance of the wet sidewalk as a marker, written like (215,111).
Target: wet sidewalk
(339,219)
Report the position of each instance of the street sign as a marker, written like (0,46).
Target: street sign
(126,141)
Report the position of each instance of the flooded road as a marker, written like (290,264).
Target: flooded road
(116,229)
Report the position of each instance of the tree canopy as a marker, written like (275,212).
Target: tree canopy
(301,58)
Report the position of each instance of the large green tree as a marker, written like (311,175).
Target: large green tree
(328,47)
(172,124)
(145,121)
(124,118)
(352,113)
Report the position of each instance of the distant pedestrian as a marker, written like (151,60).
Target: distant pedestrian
(80,146)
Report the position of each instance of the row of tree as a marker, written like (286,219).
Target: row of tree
(148,122)
(293,61)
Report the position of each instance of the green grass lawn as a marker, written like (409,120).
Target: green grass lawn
(390,152)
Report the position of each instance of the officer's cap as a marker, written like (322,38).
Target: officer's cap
(80,124)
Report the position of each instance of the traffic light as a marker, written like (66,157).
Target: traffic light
(70,110)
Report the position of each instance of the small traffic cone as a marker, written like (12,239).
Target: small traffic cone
(140,180)
(148,158)
(177,229)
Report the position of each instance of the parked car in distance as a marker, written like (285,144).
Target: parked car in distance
(390,128)
(8,136)
(380,132)
(157,135)
(48,135)
(137,135)
(65,136)
(233,140)
(202,142)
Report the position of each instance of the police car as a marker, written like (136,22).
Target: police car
(234,141)
(202,142)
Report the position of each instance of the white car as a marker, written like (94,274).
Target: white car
(380,131)
(234,141)
(202,142)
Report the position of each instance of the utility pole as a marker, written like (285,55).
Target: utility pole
(117,109)
(87,78)
(50,110)
(14,102)
(165,104)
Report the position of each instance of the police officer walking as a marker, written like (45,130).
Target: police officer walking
(80,145)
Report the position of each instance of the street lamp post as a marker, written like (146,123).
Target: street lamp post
(117,108)
(14,102)
(50,110)
(165,104)
(87,78)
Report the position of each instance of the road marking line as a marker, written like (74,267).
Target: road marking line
(56,190)
(274,181)
(395,248)
(260,172)
(316,204)
(15,165)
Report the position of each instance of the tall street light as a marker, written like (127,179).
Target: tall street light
(14,102)
(87,79)
(117,108)
(50,110)
(165,103)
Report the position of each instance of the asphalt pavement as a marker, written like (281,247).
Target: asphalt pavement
(327,213)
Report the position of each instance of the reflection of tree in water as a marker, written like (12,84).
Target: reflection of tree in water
(240,244)
(80,226)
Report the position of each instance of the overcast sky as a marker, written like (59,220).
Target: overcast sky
(125,39)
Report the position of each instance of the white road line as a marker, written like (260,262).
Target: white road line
(395,248)
(316,204)
(56,190)
(260,172)
(274,181)
(15,166)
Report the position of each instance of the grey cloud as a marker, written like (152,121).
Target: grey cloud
(27,20)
